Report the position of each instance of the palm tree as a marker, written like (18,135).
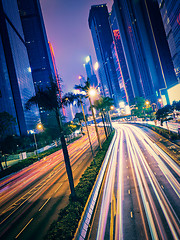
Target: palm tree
(49,100)
(103,104)
(108,103)
(86,89)
(98,106)
(69,98)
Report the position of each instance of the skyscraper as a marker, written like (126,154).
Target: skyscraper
(90,72)
(170,12)
(38,49)
(102,38)
(16,84)
(148,68)
(127,93)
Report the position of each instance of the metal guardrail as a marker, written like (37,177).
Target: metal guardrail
(88,210)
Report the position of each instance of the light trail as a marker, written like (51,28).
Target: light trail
(154,174)
(108,189)
(50,169)
(119,219)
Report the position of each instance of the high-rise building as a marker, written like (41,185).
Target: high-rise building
(102,38)
(144,58)
(16,84)
(57,77)
(90,72)
(119,61)
(170,12)
(38,49)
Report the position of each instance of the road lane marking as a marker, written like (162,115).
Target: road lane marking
(24,228)
(58,188)
(44,204)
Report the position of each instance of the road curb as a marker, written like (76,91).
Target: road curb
(91,202)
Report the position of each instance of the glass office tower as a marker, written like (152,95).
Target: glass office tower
(102,39)
(125,82)
(148,62)
(38,50)
(90,72)
(16,84)
(170,12)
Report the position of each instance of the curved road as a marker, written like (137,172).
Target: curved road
(31,199)
(140,195)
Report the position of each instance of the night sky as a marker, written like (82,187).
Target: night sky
(66,23)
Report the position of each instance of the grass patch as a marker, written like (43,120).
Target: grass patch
(65,226)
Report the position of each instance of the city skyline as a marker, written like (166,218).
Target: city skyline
(89,119)
(72,44)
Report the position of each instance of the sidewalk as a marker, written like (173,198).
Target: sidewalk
(171,126)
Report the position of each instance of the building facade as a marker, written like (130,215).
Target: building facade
(90,72)
(124,80)
(170,12)
(102,39)
(40,58)
(145,60)
(16,84)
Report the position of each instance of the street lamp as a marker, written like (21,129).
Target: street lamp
(147,103)
(160,101)
(78,92)
(91,93)
(40,128)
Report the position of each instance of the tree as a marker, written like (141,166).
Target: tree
(176,105)
(70,98)
(86,88)
(6,121)
(103,105)
(49,100)
(79,116)
(162,114)
(139,105)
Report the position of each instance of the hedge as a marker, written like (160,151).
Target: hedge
(65,226)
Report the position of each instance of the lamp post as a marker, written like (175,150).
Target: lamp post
(161,102)
(147,103)
(87,128)
(92,92)
(40,128)
(79,93)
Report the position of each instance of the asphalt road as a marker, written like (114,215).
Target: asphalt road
(140,194)
(31,199)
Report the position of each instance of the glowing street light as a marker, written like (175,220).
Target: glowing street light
(92,92)
(40,128)
(147,102)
